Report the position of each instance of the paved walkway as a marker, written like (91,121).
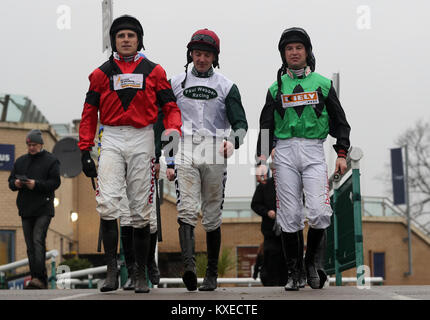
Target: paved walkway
(229,293)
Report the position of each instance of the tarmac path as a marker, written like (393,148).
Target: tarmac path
(229,293)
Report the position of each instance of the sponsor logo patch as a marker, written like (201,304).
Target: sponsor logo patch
(200,93)
(299,99)
(127,80)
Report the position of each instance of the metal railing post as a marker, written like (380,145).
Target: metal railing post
(355,155)
(336,182)
(408,213)
(53,273)
(2,280)
(90,281)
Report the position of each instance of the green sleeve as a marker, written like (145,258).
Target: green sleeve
(236,116)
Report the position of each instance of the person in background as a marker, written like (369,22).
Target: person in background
(36,176)
(272,271)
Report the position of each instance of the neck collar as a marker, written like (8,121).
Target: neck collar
(119,57)
(206,74)
(299,73)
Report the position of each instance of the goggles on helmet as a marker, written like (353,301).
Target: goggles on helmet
(204,38)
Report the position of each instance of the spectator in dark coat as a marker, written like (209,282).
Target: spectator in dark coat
(259,266)
(273,270)
(35,175)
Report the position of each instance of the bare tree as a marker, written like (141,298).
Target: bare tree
(418,141)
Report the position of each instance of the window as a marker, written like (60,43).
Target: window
(379,264)
(7,246)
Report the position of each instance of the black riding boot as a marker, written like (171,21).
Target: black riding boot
(186,239)
(141,239)
(213,243)
(153,272)
(127,245)
(110,244)
(315,258)
(302,277)
(291,247)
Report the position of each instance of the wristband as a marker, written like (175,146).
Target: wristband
(170,162)
(341,153)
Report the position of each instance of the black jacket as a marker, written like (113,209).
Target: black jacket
(264,200)
(44,168)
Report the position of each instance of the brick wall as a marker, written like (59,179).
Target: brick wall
(384,234)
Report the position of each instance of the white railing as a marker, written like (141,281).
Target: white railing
(380,207)
(384,207)
(81,273)
(21,263)
(248,281)
(379,280)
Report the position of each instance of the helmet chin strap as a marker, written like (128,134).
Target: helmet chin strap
(186,74)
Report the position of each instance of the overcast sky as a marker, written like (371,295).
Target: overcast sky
(379,47)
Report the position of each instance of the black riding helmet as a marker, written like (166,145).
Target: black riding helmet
(290,35)
(126,22)
(296,34)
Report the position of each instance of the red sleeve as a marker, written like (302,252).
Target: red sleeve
(167,101)
(88,125)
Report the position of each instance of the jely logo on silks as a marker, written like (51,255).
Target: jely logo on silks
(299,99)
(127,80)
